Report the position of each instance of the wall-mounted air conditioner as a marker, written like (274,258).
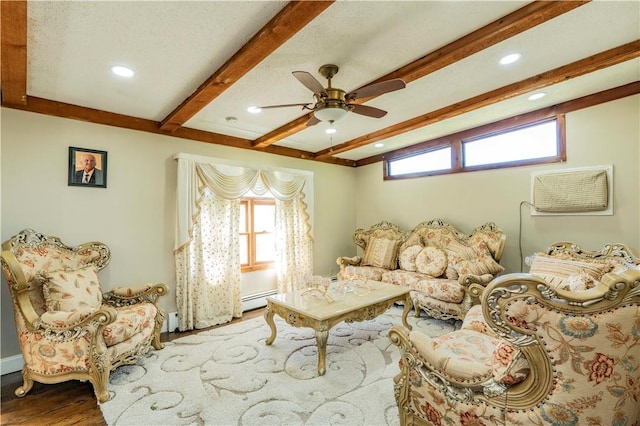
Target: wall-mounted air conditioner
(579,191)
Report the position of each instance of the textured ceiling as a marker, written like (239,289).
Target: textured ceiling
(176,46)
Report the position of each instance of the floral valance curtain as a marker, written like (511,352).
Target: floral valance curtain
(206,249)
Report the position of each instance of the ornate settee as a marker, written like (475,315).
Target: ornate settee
(435,259)
(67,328)
(534,351)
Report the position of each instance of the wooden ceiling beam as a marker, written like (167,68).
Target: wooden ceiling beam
(517,22)
(587,101)
(96,116)
(291,19)
(584,66)
(13,34)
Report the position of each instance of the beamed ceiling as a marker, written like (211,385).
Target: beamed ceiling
(199,66)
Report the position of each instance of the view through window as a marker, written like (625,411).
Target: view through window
(257,224)
(526,143)
(536,142)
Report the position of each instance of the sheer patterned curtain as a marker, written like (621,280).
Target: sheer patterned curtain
(293,247)
(207,241)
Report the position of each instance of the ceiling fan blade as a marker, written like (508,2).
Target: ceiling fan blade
(369,111)
(310,82)
(304,106)
(312,121)
(377,89)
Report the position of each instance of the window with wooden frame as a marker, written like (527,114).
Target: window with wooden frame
(524,140)
(257,225)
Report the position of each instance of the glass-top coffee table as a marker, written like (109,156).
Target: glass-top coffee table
(302,308)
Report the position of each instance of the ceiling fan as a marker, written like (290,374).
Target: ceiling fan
(331,103)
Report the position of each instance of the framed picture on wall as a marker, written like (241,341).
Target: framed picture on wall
(87,167)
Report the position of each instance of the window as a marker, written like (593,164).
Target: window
(430,161)
(526,143)
(257,223)
(523,140)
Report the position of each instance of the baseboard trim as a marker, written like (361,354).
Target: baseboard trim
(11,364)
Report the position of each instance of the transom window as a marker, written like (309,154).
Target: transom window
(526,143)
(437,159)
(257,224)
(532,141)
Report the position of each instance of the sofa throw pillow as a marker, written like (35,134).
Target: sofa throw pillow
(381,253)
(407,258)
(72,290)
(473,259)
(431,261)
(481,265)
(450,273)
(559,272)
(455,249)
(581,282)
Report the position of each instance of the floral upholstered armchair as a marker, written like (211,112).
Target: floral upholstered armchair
(534,352)
(67,328)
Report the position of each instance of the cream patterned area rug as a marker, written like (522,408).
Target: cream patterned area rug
(229,376)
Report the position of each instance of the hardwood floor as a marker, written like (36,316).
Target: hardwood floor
(67,403)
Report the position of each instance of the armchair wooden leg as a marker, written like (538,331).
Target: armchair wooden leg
(155,340)
(100,382)
(26,385)
(157,344)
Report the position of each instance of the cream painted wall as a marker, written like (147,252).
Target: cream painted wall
(135,214)
(604,134)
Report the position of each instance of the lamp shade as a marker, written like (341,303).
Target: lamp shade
(330,113)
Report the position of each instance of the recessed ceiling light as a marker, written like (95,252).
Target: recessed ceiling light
(509,59)
(378,145)
(536,96)
(122,71)
(254,109)
(330,130)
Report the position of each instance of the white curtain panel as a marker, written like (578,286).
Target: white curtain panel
(207,243)
(294,258)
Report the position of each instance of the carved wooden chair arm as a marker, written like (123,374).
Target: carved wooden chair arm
(126,296)
(399,336)
(469,279)
(346,261)
(60,322)
(475,285)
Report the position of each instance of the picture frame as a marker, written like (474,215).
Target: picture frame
(96,167)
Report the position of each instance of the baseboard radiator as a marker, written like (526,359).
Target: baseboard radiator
(257,300)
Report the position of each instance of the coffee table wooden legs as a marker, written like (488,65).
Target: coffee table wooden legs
(321,339)
(268,317)
(322,326)
(408,303)
(322,334)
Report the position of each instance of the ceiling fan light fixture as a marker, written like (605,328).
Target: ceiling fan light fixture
(331,114)
(330,130)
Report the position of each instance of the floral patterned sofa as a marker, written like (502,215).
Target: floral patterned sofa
(435,259)
(535,351)
(67,328)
